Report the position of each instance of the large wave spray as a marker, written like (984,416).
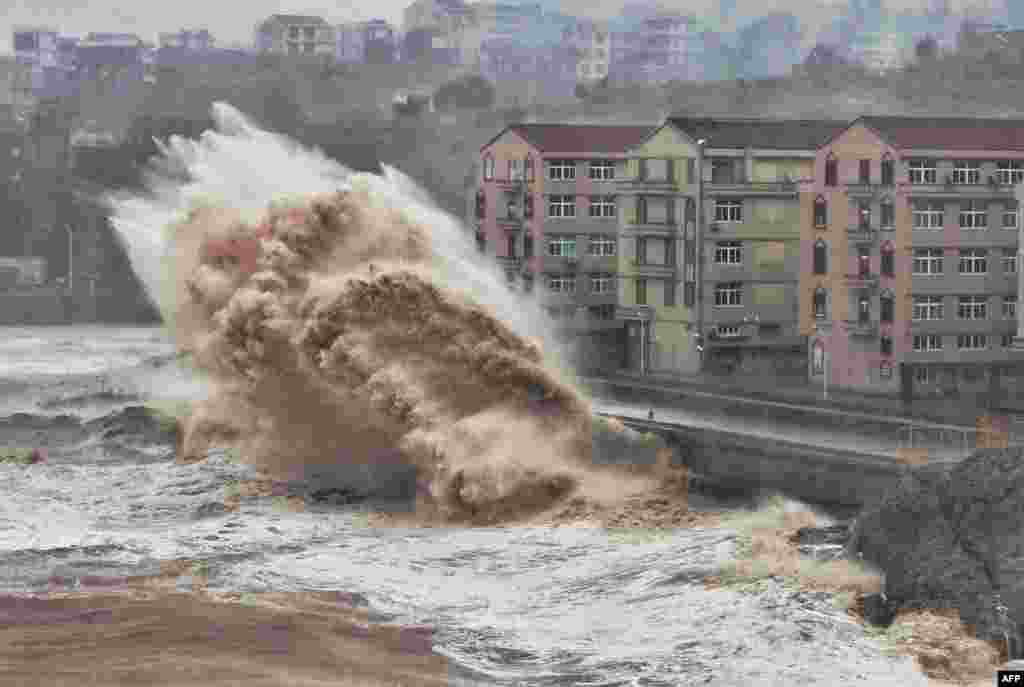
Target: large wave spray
(343,319)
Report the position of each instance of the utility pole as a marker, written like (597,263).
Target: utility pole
(71,258)
(699,266)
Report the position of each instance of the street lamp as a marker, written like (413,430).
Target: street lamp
(699,253)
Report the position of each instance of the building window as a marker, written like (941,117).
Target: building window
(510,246)
(820,257)
(603,283)
(728,253)
(928,308)
(864,214)
(561,284)
(924,343)
(888,307)
(967,172)
(515,170)
(488,168)
(529,169)
(727,331)
(729,294)
(820,212)
(973,214)
(971,342)
(641,292)
(527,246)
(528,206)
(561,170)
(888,175)
(481,205)
(928,261)
(820,304)
(973,261)
(602,170)
(561,206)
(602,206)
(562,247)
(972,308)
(1010,307)
(728,210)
(1009,261)
(670,293)
(888,261)
(923,374)
(602,247)
(1010,172)
(864,175)
(481,240)
(885,345)
(1010,214)
(928,214)
(831,171)
(888,218)
(922,172)
(1007,340)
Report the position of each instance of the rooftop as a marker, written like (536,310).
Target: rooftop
(949,132)
(773,134)
(576,138)
(302,19)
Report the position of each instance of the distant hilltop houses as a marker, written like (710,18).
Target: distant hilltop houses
(533,43)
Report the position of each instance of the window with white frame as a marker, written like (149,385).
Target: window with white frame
(561,170)
(1010,214)
(602,206)
(515,170)
(728,253)
(967,172)
(561,206)
(602,283)
(973,261)
(1010,172)
(928,261)
(1010,307)
(488,168)
(922,172)
(562,247)
(820,303)
(602,170)
(928,308)
(603,246)
(972,308)
(728,210)
(729,294)
(928,214)
(1009,261)
(562,284)
(973,214)
(971,342)
(727,331)
(924,343)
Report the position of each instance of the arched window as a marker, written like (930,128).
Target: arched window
(820,212)
(888,303)
(820,304)
(888,266)
(488,167)
(820,257)
(831,170)
(888,171)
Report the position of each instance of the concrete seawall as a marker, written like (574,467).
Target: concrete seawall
(817,475)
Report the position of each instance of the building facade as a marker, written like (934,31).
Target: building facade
(296,35)
(909,264)
(547,208)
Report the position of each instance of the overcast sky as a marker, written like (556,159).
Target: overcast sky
(232,22)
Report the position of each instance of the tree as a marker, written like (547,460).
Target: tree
(926,49)
(471,92)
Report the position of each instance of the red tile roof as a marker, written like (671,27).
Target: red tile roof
(949,133)
(580,138)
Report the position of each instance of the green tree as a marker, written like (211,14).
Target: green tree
(472,92)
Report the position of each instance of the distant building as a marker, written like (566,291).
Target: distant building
(429,14)
(198,40)
(36,48)
(295,34)
(653,46)
(351,43)
(980,41)
(380,41)
(590,42)
(114,60)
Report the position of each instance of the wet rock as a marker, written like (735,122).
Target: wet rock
(878,611)
(952,536)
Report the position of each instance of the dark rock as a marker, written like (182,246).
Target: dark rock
(878,611)
(209,510)
(823,536)
(952,536)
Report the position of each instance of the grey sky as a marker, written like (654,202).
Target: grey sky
(233,22)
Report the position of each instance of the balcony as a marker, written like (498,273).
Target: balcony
(510,261)
(510,184)
(657,228)
(556,264)
(945,188)
(862,280)
(862,233)
(859,188)
(866,328)
(660,269)
(634,312)
(751,188)
(646,184)
(511,222)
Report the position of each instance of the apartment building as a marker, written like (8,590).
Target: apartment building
(295,34)
(547,207)
(909,260)
(709,248)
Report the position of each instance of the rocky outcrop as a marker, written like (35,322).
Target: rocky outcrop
(953,537)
